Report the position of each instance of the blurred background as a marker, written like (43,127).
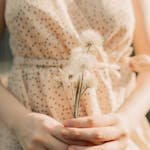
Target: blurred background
(6,60)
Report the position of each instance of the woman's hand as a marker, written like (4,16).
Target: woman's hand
(105,132)
(41,132)
(35,133)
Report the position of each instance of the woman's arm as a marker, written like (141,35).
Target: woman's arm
(11,111)
(7,113)
(142,32)
(138,103)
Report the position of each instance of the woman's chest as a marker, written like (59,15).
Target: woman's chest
(105,16)
(104,11)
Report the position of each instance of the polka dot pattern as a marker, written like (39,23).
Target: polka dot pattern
(42,34)
(49,30)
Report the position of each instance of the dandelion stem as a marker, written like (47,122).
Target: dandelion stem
(78,96)
(76,99)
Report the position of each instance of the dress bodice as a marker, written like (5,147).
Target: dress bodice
(51,28)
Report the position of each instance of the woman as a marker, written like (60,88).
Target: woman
(36,114)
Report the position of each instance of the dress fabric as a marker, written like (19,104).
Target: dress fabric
(42,35)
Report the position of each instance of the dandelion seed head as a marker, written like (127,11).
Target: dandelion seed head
(91,38)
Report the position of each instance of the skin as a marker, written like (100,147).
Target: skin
(40,132)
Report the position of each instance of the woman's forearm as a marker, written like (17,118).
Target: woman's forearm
(11,111)
(138,103)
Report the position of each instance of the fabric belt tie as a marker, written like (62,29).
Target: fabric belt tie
(43,62)
(39,62)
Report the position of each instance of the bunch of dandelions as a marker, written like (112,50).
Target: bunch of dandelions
(79,74)
(79,71)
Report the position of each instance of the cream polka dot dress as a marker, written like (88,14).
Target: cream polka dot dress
(42,35)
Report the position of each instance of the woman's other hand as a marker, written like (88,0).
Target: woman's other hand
(104,132)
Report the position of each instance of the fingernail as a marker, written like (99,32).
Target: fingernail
(66,123)
(64,132)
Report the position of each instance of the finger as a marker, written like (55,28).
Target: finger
(94,135)
(40,148)
(59,131)
(86,122)
(55,144)
(36,147)
(120,144)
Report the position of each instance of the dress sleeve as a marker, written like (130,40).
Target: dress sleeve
(140,63)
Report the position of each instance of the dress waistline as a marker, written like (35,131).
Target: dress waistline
(45,62)
(39,62)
